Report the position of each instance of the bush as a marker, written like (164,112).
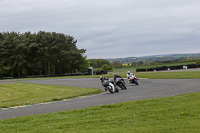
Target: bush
(198,62)
(106,67)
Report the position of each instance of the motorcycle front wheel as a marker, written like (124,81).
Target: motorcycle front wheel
(110,89)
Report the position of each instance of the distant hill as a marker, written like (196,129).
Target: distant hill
(159,58)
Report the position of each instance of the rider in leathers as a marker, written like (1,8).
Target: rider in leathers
(102,79)
(117,76)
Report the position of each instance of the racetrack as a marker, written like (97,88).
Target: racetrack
(148,88)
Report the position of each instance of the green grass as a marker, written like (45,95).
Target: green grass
(25,79)
(84,76)
(179,114)
(169,114)
(133,68)
(170,75)
(149,75)
(165,64)
(165,75)
(17,94)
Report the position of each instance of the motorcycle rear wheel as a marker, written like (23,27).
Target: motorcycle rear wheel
(137,82)
(124,86)
(121,86)
(116,89)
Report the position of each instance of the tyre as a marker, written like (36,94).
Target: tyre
(121,86)
(124,86)
(137,82)
(110,89)
(116,89)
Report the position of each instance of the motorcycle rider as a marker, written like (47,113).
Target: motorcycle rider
(102,79)
(112,82)
(128,76)
(117,76)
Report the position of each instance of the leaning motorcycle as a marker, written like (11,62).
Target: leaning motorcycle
(120,82)
(109,85)
(133,79)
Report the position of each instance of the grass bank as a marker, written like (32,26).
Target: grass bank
(169,114)
(17,94)
(150,75)
(170,75)
(166,75)
(133,68)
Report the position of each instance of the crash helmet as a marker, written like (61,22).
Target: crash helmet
(101,77)
(115,75)
(128,72)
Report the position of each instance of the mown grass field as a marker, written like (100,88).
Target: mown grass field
(17,94)
(180,114)
(165,75)
(171,75)
(150,75)
(133,68)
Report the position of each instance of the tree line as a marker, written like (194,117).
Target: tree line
(104,64)
(41,53)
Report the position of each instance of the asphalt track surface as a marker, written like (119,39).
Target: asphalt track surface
(147,89)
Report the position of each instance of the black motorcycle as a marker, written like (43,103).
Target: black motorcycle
(109,85)
(120,82)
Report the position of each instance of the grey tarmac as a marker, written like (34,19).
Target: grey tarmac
(147,89)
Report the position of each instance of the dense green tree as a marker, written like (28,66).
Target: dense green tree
(106,67)
(2,71)
(98,63)
(47,53)
(116,64)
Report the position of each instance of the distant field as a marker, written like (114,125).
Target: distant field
(133,68)
(166,75)
(170,75)
(149,75)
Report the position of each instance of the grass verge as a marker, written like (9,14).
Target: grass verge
(133,68)
(170,75)
(149,75)
(17,94)
(169,114)
(166,75)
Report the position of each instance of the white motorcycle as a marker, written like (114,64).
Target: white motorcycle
(109,85)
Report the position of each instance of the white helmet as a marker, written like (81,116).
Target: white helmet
(128,72)
(101,77)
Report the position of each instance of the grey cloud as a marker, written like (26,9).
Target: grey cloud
(111,28)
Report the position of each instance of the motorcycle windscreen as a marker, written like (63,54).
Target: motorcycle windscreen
(117,80)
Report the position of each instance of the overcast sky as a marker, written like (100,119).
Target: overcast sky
(111,28)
